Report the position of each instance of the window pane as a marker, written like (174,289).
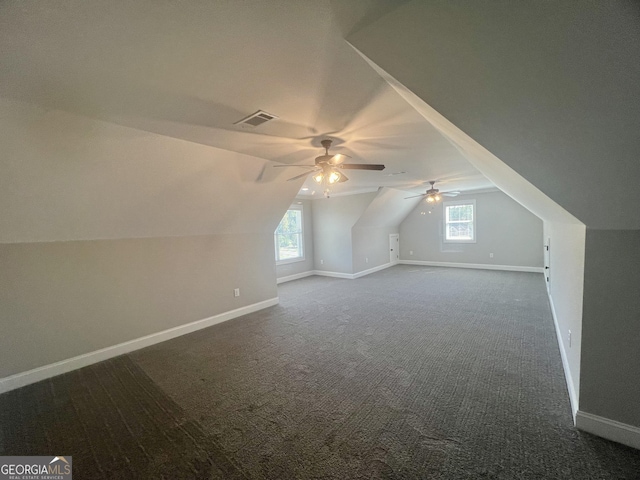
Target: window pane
(291,222)
(467,213)
(288,236)
(460,231)
(456,213)
(289,246)
(459,222)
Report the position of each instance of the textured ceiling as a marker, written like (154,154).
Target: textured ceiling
(189,70)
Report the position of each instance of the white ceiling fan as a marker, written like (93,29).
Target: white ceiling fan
(433,195)
(327,168)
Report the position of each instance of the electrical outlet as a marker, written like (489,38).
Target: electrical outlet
(321,262)
(569,338)
(491,255)
(366,259)
(236,292)
(410,252)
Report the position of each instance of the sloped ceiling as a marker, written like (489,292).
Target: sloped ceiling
(190,70)
(66,177)
(550,88)
(388,209)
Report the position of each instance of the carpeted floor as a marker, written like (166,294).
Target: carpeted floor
(411,372)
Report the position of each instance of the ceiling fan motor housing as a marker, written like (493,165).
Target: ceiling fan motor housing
(326,166)
(326,143)
(323,159)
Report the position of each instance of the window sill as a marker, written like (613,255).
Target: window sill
(290,260)
(459,241)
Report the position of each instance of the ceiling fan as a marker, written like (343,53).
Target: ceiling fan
(327,167)
(433,194)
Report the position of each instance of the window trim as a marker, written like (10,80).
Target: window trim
(275,238)
(452,203)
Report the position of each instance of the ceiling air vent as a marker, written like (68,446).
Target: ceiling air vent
(255,119)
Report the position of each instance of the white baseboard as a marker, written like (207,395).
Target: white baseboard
(373,270)
(296,276)
(573,397)
(352,276)
(324,273)
(47,371)
(609,429)
(481,266)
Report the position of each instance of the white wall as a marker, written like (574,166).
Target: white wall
(64,299)
(504,228)
(333,219)
(566,271)
(370,234)
(109,233)
(609,385)
(351,233)
(371,247)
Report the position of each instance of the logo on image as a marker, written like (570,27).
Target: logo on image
(36,468)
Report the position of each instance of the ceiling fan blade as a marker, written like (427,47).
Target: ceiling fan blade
(450,194)
(261,174)
(415,196)
(303,166)
(343,178)
(338,159)
(362,166)
(300,176)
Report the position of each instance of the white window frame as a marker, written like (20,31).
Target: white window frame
(473,221)
(301,233)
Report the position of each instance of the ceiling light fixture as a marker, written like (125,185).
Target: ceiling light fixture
(334,177)
(329,175)
(327,169)
(433,195)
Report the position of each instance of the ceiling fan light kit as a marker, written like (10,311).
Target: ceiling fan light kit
(328,174)
(433,195)
(326,170)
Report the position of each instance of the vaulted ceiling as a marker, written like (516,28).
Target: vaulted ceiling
(190,70)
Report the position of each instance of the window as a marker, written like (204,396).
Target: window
(288,236)
(460,221)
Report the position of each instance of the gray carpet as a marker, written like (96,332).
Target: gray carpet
(412,372)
